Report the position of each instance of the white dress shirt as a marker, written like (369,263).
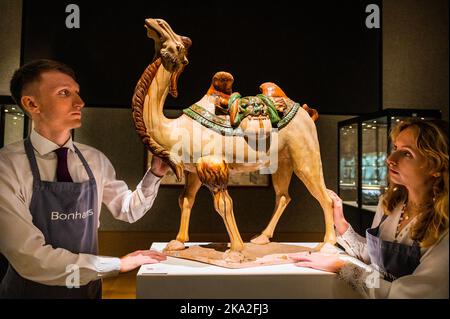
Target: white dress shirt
(23,244)
(429,279)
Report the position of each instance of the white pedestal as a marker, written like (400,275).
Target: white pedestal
(184,279)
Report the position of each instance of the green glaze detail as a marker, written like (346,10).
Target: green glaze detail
(212,121)
(233,98)
(273,114)
(223,126)
(289,116)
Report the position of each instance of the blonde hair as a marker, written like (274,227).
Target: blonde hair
(431,138)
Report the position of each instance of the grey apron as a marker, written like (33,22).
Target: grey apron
(393,259)
(67,215)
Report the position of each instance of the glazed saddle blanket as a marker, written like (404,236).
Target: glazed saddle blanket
(223,126)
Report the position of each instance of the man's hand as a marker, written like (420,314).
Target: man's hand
(139,258)
(331,263)
(159,167)
(338,213)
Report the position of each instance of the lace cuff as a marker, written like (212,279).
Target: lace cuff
(353,243)
(351,235)
(357,277)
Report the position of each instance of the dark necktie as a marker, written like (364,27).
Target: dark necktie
(62,172)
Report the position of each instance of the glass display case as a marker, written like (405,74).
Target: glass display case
(13,124)
(374,153)
(348,163)
(364,145)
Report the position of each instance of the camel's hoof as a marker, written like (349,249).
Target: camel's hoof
(318,247)
(326,248)
(331,240)
(329,248)
(233,256)
(174,245)
(260,240)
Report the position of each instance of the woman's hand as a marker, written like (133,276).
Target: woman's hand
(139,258)
(331,263)
(338,213)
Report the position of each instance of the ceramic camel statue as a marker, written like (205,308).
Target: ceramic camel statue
(185,143)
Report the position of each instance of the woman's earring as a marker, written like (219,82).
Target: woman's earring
(436,188)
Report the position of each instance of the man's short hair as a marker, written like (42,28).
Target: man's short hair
(31,72)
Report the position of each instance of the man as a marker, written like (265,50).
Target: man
(51,191)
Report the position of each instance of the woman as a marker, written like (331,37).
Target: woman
(406,251)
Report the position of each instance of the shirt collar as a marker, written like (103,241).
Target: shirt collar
(44,146)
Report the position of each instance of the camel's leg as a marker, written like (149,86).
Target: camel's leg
(308,167)
(214,174)
(185,201)
(224,206)
(281,180)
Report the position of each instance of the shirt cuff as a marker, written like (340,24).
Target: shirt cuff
(106,266)
(149,183)
(348,234)
(350,237)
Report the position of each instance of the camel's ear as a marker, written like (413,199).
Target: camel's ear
(186,42)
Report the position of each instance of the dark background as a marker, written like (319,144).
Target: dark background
(319,53)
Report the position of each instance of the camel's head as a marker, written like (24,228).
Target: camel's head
(170,47)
